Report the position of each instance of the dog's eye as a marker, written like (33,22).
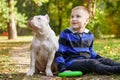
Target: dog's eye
(39,18)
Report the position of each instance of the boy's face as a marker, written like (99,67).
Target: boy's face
(79,19)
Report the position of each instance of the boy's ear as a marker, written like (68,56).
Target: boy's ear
(46,15)
(87,21)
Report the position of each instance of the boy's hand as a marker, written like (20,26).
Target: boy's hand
(67,70)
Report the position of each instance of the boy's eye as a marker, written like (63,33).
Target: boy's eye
(72,16)
(78,16)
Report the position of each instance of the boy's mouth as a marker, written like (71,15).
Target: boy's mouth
(74,22)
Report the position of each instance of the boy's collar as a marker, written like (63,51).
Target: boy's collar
(73,31)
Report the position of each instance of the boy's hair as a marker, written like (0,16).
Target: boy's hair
(81,8)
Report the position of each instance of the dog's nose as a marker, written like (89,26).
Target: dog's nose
(29,21)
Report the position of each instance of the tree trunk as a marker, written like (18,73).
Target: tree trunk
(59,16)
(12,32)
(91,4)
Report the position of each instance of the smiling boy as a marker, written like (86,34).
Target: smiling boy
(76,52)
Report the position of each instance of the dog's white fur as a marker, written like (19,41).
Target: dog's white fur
(43,46)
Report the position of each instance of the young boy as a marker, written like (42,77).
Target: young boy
(76,52)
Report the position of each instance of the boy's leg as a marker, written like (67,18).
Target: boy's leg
(80,65)
(93,65)
(101,68)
(108,61)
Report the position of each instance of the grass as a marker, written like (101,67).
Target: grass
(106,47)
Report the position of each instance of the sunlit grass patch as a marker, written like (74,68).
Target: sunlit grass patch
(5,67)
(6,62)
(108,48)
(18,39)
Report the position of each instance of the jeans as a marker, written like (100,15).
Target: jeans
(99,66)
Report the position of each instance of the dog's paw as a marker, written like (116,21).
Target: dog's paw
(49,73)
(30,72)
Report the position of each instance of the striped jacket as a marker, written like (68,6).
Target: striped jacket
(72,46)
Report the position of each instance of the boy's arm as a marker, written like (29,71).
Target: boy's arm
(60,62)
(93,53)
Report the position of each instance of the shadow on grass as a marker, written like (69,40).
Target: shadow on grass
(19,76)
(22,76)
(91,76)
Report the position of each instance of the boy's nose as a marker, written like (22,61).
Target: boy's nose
(74,18)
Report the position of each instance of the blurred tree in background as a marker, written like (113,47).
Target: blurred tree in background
(12,31)
(112,16)
(10,18)
(105,18)
(97,23)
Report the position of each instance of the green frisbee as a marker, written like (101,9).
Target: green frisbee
(70,74)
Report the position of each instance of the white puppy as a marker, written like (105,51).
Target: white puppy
(43,46)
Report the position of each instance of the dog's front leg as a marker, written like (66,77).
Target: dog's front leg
(49,64)
(32,63)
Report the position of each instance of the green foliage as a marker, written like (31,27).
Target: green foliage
(20,19)
(4,11)
(97,24)
(57,10)
(40,2)
(60,13)
(105,21)
(112,16)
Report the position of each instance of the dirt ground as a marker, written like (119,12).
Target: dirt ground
(21,57)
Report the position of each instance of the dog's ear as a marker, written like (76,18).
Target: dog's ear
(47,17)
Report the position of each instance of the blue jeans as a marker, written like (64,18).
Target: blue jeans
(99,66)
